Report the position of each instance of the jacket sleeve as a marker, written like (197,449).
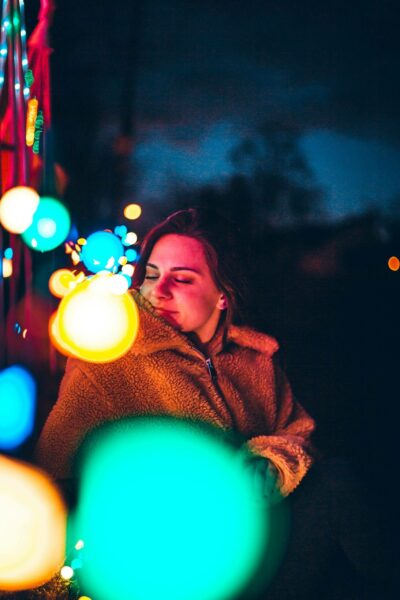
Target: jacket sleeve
(288,447)
(81,405)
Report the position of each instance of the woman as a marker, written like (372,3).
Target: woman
(189,360)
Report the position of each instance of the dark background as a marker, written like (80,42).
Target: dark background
(234,104)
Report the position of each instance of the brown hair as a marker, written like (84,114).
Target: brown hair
(218,237)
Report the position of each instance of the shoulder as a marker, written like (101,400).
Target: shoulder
(248,337)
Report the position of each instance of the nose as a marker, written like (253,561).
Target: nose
(162,289)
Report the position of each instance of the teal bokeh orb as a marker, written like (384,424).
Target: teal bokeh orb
(50,225)
(102,251)
(166,511)
(17,406)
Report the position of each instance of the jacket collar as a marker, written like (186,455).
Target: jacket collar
(156,334)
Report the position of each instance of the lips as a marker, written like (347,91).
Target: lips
(169,315)
(164,311)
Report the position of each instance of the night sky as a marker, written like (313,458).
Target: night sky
(189,81)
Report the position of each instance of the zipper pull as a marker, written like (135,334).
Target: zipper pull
(211,369)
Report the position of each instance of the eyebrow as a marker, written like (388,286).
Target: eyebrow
(175,268)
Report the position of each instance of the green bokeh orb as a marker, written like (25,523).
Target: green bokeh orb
(166,511)
(50,226)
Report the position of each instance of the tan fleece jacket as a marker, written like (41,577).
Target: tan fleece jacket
(164,373)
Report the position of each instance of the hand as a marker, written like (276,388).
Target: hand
(264,476)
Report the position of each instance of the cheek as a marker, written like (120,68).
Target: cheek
(144,290)
(195,304)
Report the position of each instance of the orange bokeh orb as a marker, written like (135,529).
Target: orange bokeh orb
(33,526)
(394,263)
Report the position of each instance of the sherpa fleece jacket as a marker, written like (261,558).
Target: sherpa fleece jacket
(237,387)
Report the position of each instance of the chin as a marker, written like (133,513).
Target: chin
(170,319)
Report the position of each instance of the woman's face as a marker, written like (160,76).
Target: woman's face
(179,285)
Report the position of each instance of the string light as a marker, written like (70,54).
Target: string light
(31,115)
(3,40)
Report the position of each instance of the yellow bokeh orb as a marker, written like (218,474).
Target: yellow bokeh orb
(17,207)
(32,524)
(132,211)
(62,281)
(93,322)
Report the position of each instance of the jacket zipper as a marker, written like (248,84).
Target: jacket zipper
(211,369)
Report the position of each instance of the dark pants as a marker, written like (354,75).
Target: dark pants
(340,542)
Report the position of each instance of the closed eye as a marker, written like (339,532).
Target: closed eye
(184,281)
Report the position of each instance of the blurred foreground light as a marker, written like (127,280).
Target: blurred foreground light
(32,525)
(131,255)
(7,267)
(132,211)
(119,284)
(17,406)
(166,511)
(17,207)
(93,322)
(130,238)
(50,226)
(394,263)
(62,281)
(67,572)
(102,251)
(128,270)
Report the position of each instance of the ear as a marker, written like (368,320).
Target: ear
(222,303)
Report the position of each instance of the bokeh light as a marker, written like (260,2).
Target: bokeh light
(132,211)
(394,263)
(7,267)
(67,572)
(128,270)
(62,281)
(120,284)
(50,225)
(93,322)
(17,207)
(131,254)
(166,511)
(130,238)
(17,406)
(32,525)
(102,251)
